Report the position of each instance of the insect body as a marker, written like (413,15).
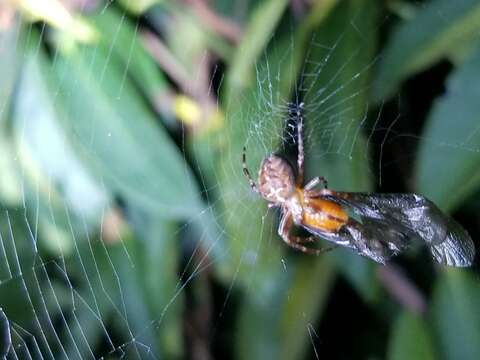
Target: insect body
(377,226)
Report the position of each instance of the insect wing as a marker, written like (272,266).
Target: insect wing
(376,239)
(412,217)
(457,249)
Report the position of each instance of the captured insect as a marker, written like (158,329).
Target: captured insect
(377,226)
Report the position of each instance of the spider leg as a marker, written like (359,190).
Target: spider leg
(304,240)
(295,242)
(301,154)
(246,172)
(315,181)
(323,192)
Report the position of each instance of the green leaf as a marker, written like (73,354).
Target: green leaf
(122,38)
(319,11)
(455,316)
(9,53)
(304,301)
(11,41)
(51,185)
(189,37)
(138,6)
(410,339)
(86,328)
(157,264)
(117,137)
(107,287)
(439,28)
(277,326)
(447,168)
(257,35)
(5,337)
(257,336)
(10,183)
(360,272)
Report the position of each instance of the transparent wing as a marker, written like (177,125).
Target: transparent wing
(457,249)
(376,239)
(385,224)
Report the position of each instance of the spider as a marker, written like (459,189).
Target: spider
(377,226)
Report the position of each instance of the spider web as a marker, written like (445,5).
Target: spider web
(59,320)
(73,288)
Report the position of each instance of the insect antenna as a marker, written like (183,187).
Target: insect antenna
(246,172)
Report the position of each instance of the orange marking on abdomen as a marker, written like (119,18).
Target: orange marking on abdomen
(323,215)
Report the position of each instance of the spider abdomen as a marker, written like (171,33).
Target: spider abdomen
(276,180)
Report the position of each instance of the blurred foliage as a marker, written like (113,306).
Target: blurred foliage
(127,228)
